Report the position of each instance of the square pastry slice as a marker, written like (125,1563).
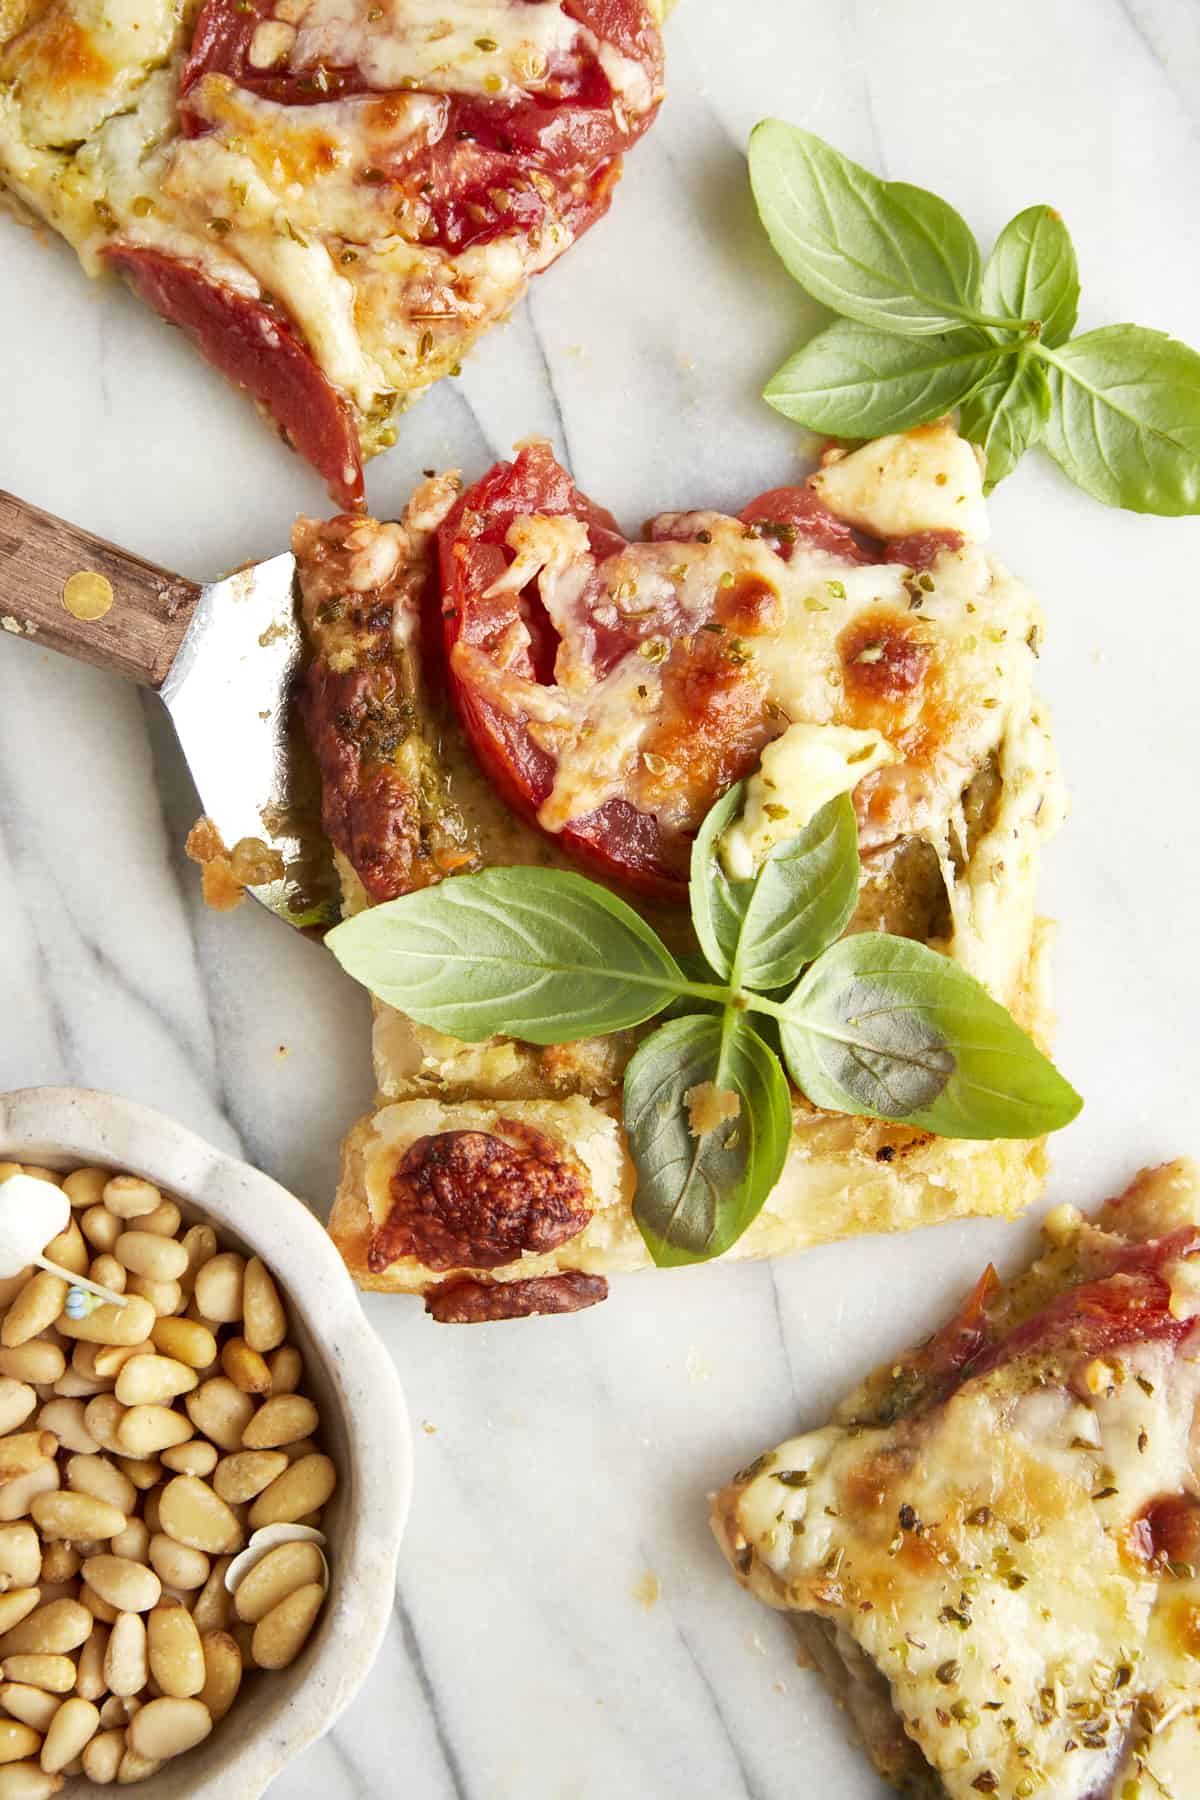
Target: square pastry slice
(332,198)
(504,677)
(993,1551)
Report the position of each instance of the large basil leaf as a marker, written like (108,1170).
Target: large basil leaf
(1126,420)
(854,381)
(540,954)
(889,1028)
(696,1194)
(1007,414)
(760,932)
(880,252)
(1032,274)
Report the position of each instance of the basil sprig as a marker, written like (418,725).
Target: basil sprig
(926,327)
(867,1024)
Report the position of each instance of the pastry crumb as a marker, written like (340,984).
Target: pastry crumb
(710,1106)
(647,1590)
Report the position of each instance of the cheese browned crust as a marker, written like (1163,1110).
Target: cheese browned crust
(993,1549)
(949,832)
(281,189)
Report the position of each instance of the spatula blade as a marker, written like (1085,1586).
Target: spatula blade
(230,694)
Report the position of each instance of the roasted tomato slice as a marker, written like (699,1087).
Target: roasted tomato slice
(545,145)
(609,696)
(254,345)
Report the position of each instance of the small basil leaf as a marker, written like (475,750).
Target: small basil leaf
(539,954)
(717,906)
(1126,420)
(696,1194)
(880,252)
(1032,274)
(889,1028)
(1007,414)
(854,381)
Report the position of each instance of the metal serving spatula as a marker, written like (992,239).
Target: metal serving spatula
(222,658)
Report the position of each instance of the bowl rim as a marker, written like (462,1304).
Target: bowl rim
(96,1127)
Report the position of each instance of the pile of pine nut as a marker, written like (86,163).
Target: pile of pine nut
(140,1447)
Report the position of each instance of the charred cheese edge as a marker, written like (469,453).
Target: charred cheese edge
(969,1571)
(266,200)
(844,1175)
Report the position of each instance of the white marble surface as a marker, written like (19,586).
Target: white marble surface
(563,1460)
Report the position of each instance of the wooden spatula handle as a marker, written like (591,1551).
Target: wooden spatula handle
(72,592)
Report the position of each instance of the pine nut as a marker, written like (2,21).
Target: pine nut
(264,1317)
(287,1369)
(75,1516)
(241,1477)
(54,1674)
(102,1418)
(69,1250)
(17,1401)
(101,1611)
(16,1605)
(65,1419)
(27,1781)
(193,1514)
(219,1286)
(166,1297)
(125,1667)
(281,1571)
(117,1711)
(75,1725)
(18,1741)
(101,1228)
(196,1457)
(176,1653)
(164,1221)
(95,1475)
(213,1610)
(151,1380)
(221,1411)
(280,1636)
(109,1359)
(144,1471)
(60,1563)
(16,1497)
(301,1489)
(186,1340)
(29,1704)
(109,1272)
(145,1430)
(127,1324)
(128,1586)
(37,1361)
(84,1188)
(39,1304)
(178,1565)
(200,1242)
(20,1555)
(135,1768)
(246,1369)
(133,1543)
(222,1673)
(129,1197)
(25,1451)
(146,1253)
(283,1420)
(102,1757)
(89,1680)
(51,1630)
(168,1727)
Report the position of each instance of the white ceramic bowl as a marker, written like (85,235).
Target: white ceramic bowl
(350,1376)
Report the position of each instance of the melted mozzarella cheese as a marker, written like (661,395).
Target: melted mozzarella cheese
(924,480)
(800,772)
(77,66)
(473,46)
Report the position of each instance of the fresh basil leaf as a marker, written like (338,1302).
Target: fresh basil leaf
(1007,414)
(696,1194)
(854,381)
(539,954)
(760,932)
(880,252)
(886,1027)
(1126,420)
(1032,274)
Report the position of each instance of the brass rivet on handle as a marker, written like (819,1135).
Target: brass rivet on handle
(87,596)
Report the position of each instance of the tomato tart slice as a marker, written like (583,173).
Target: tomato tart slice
(332,198)
(503,676)
(993,1550)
